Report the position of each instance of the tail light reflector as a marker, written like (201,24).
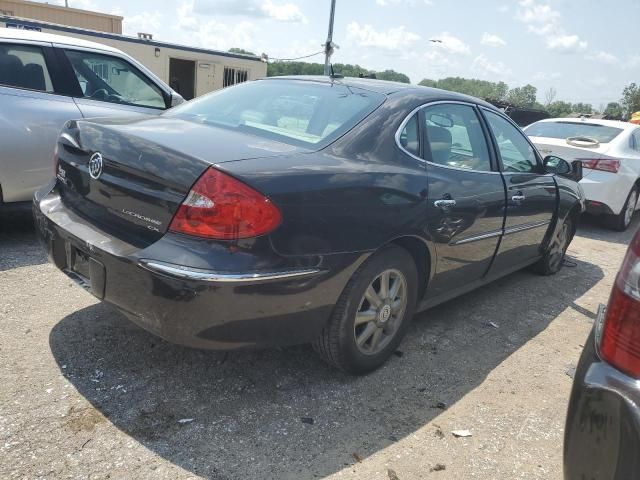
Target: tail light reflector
(598,164)
(620,343)
(223,208)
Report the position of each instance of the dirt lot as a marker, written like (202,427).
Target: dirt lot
(86,394)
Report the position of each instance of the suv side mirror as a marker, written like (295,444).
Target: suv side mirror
(556,165)
(176,99)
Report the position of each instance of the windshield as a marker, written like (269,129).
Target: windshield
(601,133)
(299,113)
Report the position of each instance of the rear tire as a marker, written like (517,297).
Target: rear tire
(370,319)
(622,221)
(552,261)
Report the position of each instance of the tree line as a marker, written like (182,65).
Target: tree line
(522,97)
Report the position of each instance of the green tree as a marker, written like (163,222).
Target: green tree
(425,82)
(582,108)
(470,86)
(559,108)
(524,97)
(630,99)
(613,110)
(393,76)
(241,51)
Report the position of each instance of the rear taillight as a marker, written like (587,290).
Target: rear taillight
(598,164)
(620,338)
(221,207)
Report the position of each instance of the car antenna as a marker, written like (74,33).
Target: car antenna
(334,74)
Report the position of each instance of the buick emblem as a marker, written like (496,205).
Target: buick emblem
(95,165)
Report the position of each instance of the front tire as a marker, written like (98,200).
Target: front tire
(372,314)
(622,221)
(552,261)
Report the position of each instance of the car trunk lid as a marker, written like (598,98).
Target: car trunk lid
(572,149)
(147,170)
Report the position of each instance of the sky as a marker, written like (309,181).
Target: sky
(585,49)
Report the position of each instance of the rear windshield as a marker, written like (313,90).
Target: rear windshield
(601,133)
(300,113)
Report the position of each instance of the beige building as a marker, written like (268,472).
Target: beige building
(73,17)
(188,70)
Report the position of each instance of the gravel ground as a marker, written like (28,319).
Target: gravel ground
(86,394)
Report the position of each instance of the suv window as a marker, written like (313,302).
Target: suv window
(24,66)
(111,79)
(455,137)
(516,152)
(409,136)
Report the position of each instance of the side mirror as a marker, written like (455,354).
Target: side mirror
(556,165)
(176,99)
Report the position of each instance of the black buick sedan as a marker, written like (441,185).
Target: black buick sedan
(303,209)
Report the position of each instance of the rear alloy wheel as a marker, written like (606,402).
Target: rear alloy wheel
(553,259)
(622,221)
(372,314)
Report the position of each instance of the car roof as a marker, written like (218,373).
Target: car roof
(592,121)
(20,34)
(388,88)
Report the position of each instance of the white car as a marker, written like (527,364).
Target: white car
(610,154)
(46,80)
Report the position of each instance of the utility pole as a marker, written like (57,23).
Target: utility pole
(328,47)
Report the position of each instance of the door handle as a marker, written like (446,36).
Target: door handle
(444,203)
(518,197)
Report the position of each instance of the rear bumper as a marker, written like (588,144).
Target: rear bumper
(608,190)
(191,305)
(602,434)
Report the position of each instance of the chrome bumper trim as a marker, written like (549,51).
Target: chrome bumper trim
(187,273)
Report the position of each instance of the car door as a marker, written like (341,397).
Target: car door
(34,105)
(112,86)
(466,195)
(532,195)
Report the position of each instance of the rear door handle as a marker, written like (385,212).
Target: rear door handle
(444,203)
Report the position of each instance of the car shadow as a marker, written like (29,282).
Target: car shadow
(18,243)
(282,413)
(593,227)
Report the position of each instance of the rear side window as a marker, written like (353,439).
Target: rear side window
(563,130)
(455,137)
(23,66)
(409,136)
(110,79)
(300,113)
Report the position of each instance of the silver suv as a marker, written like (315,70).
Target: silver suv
(46,80)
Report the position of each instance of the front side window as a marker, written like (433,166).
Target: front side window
(516,152)
(301,113)
(636,140)
(455,137)
(110,79)
(24,66)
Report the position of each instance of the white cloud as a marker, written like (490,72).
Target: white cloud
(543,20)
(451,44)
(603,57)
(544,76)
(492,40)
(566,43)
(413,3)
(285,12)
(211,33)
(483,67)
(148,22)
(282,12)
(392,39)
(438,63)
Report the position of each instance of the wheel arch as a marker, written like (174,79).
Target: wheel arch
(423,257)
